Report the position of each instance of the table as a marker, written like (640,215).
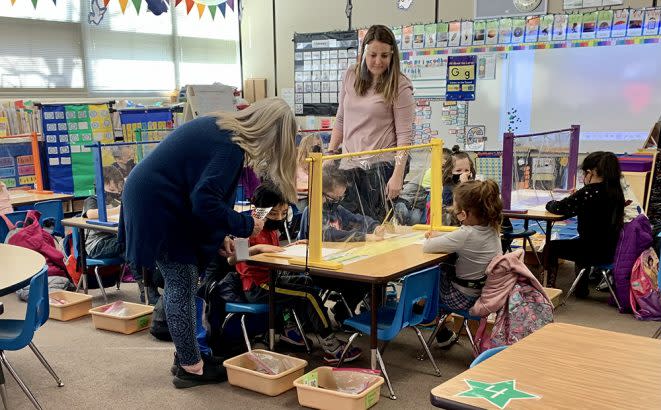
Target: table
(22,197)
(376,272)
(19,265)
(568,367)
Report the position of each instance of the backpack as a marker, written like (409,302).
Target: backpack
(108,274)
(30,235)
(527,310)
(644,295)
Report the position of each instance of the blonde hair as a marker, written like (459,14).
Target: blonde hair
(388,83)
(482,199)
(305,147)
(266,132)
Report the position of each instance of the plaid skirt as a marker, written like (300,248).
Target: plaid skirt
(454,298)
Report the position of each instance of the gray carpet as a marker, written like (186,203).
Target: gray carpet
(107,370)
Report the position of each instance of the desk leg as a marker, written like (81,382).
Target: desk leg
(374,342)
(271,310)
(83,258)
(547,251)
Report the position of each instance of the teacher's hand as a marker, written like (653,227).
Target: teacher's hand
(228,247)
(394,187)
(259,225)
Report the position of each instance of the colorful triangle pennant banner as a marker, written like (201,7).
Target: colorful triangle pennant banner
(189,6)
(213,10)
(230,4)
(200,9)
(136,4)
(34,3)
(223,8)
(122,5)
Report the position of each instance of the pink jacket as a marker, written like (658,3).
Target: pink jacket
(502,273)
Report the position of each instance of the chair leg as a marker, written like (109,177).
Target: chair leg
(346,349)
(300,329)
(121,275)
(22,385)
(3,389)
(573,285)
(98,280)
(470,338)
(432,336)
(227,319)
(245,332)
(657,334)
(84,279)
(604,273)
(48,367)
(385,375)
(424,346)
(346,305)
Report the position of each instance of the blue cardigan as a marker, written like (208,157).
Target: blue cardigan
(178,201)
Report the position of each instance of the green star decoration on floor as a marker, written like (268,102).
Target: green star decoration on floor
(498,394)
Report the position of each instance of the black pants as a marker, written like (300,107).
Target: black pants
(353,293)
(571,250)
(367,196)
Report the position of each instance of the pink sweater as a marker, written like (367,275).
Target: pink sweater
(502,273)
(368,122)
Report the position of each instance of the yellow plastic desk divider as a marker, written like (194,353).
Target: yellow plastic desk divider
(77,305)
(325,397)
(241,372)
(139,318)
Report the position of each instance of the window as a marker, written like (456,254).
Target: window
(55,46)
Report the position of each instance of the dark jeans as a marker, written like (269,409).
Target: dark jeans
(296,291)
(106,248)
(571,250)
(367,196)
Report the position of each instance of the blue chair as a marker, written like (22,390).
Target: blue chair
(605,271)
(486,354)
(52,209)
(466,316)
(243,309)
(14,217)
(418,300)
(95,263)
(16,334)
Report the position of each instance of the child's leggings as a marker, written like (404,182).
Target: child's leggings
(179,298)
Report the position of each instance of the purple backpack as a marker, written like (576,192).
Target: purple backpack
(644,295)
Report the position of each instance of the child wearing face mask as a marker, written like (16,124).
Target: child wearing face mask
(103,244)
(309,144)
(292,290)
(478,207)
(458,168)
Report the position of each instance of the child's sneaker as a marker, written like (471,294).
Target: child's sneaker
(446,338)
(292,336)
(333,350)
(211,373)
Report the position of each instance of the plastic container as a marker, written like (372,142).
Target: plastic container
(325,397)
(241,372)
(137,319)
(77,305)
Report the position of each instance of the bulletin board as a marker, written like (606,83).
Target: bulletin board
(151,121)
(16,167)
(320,60)
(67,128)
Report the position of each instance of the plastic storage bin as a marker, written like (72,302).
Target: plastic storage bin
(325,397)
(138,318)
(78,304)
(241,372)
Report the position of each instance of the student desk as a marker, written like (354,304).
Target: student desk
(19,265)
(81,224)
(21,197)
(536,215)
(567,367)
(376,272)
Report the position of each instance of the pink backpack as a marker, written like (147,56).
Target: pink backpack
(32,236)
(527,310)
(644,294)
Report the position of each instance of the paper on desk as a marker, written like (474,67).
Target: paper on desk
(299,251)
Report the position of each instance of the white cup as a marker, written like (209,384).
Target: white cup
(241,249)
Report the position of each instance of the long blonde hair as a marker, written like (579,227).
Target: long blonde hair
(266,131)
(305,147)
(389,82)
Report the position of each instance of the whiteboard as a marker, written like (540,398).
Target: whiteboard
(207,99)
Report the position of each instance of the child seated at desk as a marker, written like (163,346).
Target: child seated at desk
(104,244)
(293,290)
(478,207)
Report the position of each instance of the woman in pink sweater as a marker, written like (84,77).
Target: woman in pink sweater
(375,111)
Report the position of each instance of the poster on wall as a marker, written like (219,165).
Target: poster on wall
(635,26)
(461,78)
(589,26)
(466,33)
(604,23)
(545,28)
(492,32)
(532,29)
(479,32)
(505,31)
(16,167)
(620,20)
(518,29)
(442,34)
(476,137)
(652,22)
(454,34)
(574,26)
(560,27)
(321,75)
(430,35)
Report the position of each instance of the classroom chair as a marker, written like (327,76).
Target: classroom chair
(16,334)
(486,354)
(14,217)
(466,316)
(605,271)
(244,309)
(93,262)
(51,209)
(418,300)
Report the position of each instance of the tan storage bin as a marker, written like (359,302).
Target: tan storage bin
(326,397)
(78,304)
(138,318)
(241,372)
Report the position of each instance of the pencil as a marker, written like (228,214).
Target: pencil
(387,215)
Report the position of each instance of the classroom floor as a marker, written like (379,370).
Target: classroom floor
(108,370)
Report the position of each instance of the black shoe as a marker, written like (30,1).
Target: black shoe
(211,374)
(446,338)
(206,358)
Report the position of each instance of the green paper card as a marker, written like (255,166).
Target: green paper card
(492,32)
(442,35)
(479,32)
(518,29)
(574,27)
(419,36)
(589,30)
(430,36)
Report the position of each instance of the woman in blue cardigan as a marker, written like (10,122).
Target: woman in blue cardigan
(177,208)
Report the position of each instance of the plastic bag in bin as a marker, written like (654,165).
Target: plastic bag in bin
(117,309)
(354,381)
(269,364)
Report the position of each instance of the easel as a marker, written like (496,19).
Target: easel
(207,99)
